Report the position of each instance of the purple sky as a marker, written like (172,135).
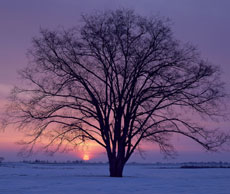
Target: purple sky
(205,23)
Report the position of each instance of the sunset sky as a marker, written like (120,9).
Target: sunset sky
(204,23)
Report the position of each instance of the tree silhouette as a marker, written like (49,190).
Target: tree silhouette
(119,80)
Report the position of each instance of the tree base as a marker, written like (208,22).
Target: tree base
(116,169)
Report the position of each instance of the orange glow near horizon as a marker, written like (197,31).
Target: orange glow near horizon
(10,137)
(87,151)
(85,157)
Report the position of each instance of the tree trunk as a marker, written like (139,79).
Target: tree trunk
(116,167)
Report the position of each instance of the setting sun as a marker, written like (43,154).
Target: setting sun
(85,157)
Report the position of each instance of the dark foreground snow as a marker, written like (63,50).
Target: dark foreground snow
(20,178)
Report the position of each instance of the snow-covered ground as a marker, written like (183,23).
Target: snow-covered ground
(21,178)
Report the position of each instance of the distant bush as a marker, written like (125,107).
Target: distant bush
(1,159)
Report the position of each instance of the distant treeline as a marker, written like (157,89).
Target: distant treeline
(157,164)
(60,162)
(206,165)
(52,162)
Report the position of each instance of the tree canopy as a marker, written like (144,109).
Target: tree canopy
(120,79)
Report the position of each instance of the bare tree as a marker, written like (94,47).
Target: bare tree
(119,80)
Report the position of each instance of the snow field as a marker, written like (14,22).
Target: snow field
(21,178)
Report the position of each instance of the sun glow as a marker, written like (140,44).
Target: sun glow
(85,157)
